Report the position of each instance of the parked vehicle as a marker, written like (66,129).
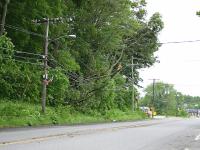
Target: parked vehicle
(148,111)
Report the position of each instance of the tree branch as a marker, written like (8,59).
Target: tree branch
(117,61)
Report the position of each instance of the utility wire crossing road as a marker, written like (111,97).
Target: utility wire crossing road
(161,134)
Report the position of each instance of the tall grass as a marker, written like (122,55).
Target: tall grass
(15,114)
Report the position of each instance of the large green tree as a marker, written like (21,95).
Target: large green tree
(165,100)
(108,34)
(191,102)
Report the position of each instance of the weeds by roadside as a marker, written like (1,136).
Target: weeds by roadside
(15,114)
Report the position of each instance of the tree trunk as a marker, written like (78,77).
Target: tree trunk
(1,9)
(3,18)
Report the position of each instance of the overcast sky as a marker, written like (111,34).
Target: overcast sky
(179,63)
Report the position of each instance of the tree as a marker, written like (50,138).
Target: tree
(165,101)
(191,101)
(106,39)
(108,34)
(198,13)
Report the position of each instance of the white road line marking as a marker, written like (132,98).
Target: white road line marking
(35,139)
(197,137)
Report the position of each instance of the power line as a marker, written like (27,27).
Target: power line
(27,58)
(23,57)
(22,52)
(40,35)
(136,42)
(6,48)
(23,30)
(7,58)
(28,62)
(179,42)
(74,79)
(83,79)
(80,61)
(99,77)
(62,67)
(164,43)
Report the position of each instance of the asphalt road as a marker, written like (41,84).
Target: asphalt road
(161,134)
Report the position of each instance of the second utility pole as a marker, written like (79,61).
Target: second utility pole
(153,99)
(133,90)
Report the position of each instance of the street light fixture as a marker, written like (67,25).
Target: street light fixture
(68,35)
(72,35)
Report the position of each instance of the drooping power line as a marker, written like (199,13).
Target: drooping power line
(40,35)
(23,30)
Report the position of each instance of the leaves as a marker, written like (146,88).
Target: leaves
(164,100)
(89,69)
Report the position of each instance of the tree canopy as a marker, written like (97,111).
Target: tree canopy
(87,71)
(166,99)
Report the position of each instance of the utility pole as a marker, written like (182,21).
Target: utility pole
(154,80)
(45,80)
(153,98)
(3,18)
(153,95)
(133,90)
(45,59)
(134,100)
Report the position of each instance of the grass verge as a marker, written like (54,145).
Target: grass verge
(19,114)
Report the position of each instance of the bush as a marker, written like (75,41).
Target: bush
(182,113)
(16,113)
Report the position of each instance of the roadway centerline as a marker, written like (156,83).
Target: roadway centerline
(72,134)
(81,132)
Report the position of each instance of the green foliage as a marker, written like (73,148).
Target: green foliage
(58,87)
(192,102)
(166,100)
(67,61)
(119,115)
(20,14)
(198,13)
(87,71)
(155,23)
(123,98)
(182,113)
(18,81)
(15,114)
(7,48)
(106,97)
